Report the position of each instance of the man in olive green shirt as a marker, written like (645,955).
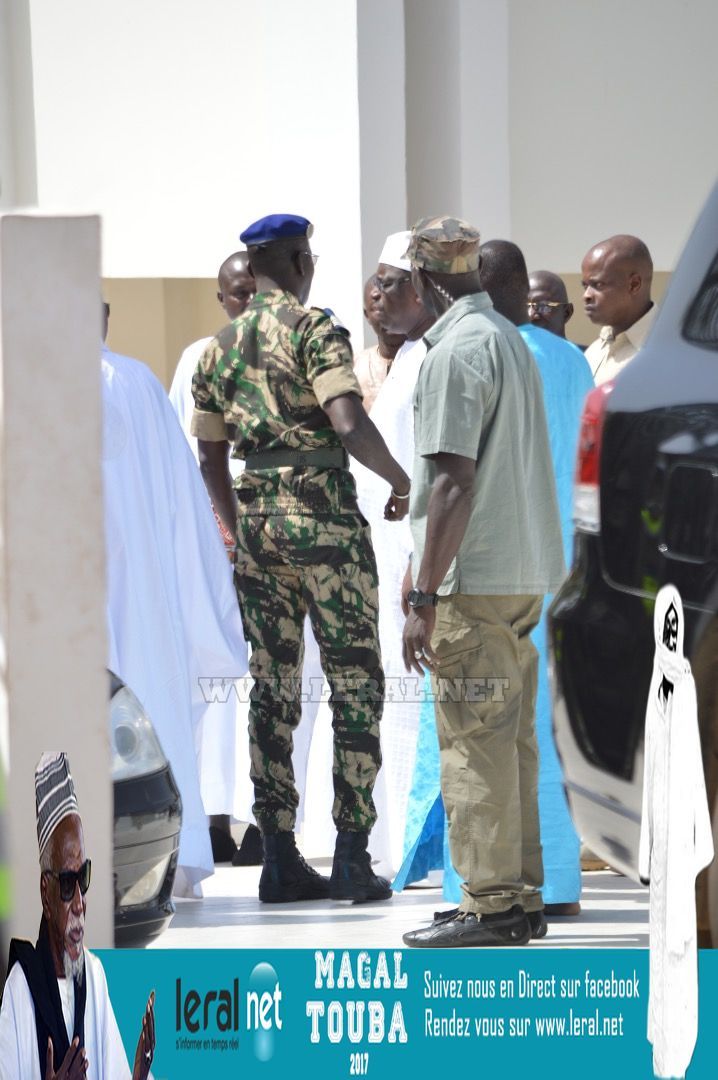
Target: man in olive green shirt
(487,547)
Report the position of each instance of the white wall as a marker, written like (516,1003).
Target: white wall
(613,123)
(181,123)
(554,123)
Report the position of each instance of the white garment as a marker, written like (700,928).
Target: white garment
(18,1035)
(393,414)
(66,990)
(182,402)
(676,843)
(181,399)
(172,610)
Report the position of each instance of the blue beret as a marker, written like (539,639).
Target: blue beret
(275,227)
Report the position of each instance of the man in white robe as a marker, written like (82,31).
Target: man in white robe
(18,1034)
(676,841)
(172,610)
(56,1011)
(401,313)
(235,288)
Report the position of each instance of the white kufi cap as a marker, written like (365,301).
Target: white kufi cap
(394,251)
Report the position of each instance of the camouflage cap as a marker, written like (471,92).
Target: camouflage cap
(445,245)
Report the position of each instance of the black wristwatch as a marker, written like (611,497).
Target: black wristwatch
(416,598)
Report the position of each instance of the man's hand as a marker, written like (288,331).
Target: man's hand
(416,646)
(146,1042)
(74,1064)
(214,466)
(397,507)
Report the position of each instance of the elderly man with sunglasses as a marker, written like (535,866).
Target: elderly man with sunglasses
(57,1021)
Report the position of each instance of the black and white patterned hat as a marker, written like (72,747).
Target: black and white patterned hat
(54,795)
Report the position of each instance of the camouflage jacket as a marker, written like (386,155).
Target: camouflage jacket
(261,384)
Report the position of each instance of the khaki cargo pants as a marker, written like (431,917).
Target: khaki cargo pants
(485,689)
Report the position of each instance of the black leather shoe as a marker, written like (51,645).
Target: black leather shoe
(250,851)
(537,921)
(352,876)
(467,930)
(538,924)
(223,845)
(445,916)
(286,877)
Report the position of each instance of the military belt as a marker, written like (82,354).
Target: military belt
(333,457)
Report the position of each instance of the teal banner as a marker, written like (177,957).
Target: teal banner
(378,1013)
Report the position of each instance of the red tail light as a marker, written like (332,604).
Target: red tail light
(586,505)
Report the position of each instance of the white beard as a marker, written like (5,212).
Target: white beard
(74,969)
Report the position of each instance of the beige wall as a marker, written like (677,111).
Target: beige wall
(154,319)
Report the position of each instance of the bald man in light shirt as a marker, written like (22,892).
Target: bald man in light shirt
(616,278)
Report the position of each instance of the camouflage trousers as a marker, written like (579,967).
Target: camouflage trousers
(288,565)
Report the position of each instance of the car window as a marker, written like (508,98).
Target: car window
(701,325)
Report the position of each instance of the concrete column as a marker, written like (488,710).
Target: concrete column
(483,53)
(433,108)
(18,168)
(457,111)
(382,126)
(53,684)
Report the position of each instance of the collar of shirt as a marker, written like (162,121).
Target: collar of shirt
(635,334)
(266,299)
(465,305)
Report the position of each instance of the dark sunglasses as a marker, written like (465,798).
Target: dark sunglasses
(70,879)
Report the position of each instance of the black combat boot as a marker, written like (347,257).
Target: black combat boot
(352,876)
(285,875)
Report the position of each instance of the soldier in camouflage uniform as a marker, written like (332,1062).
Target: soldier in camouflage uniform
(278,384)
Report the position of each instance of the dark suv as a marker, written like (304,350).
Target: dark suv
(646,516)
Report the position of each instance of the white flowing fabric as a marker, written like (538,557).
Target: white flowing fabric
(180,393)
(676,843)
(18,1035)
(393,414)
(172,611)
(182,402)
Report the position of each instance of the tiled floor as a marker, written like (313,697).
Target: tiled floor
(614,914)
